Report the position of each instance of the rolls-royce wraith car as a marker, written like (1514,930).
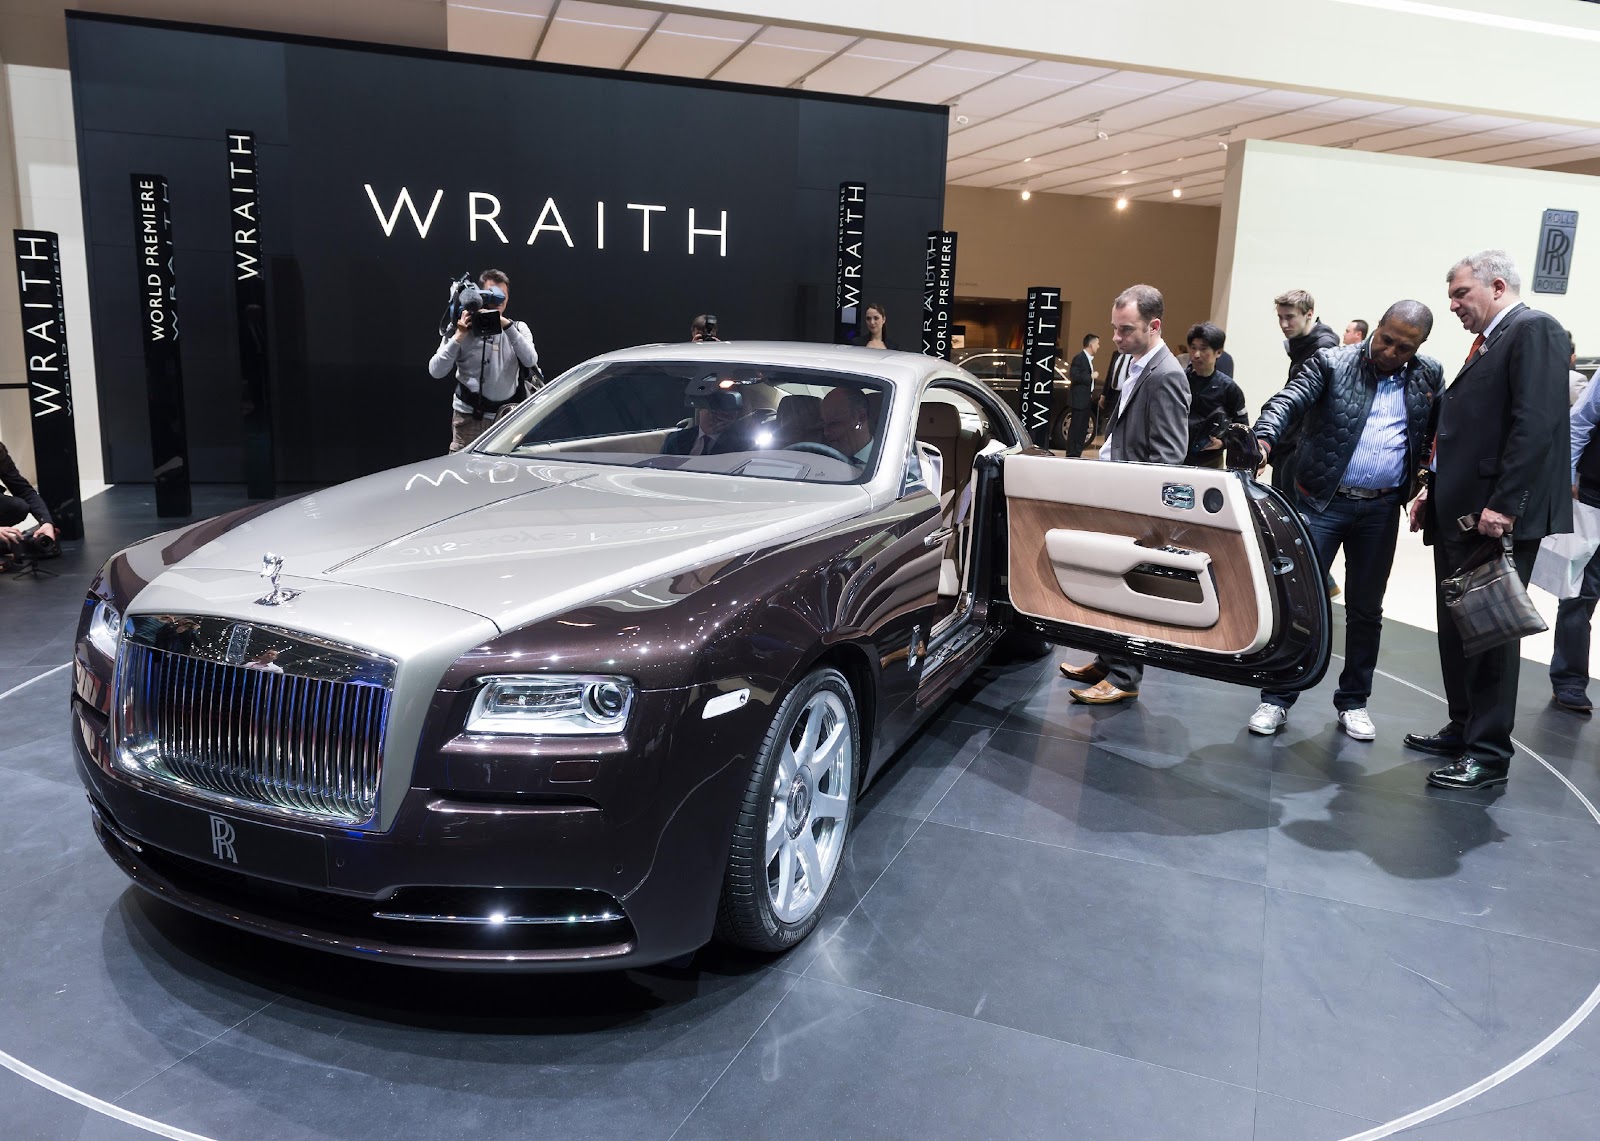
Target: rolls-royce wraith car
(610,681)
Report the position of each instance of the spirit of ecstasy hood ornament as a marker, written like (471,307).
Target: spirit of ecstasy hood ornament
(271,567)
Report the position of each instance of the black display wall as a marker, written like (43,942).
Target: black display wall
(552,154)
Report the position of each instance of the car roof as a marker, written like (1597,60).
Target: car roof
(895,368)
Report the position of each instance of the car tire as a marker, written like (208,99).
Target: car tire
(1058,428)
(777,883)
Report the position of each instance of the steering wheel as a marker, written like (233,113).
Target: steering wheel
(817,449)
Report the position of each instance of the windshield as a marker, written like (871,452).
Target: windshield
(700,416)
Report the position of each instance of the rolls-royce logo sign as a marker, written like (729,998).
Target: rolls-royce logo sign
(656,227)
(1557,235)
(238,644)
(222,837)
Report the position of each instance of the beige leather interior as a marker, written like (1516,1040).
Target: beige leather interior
(940,426)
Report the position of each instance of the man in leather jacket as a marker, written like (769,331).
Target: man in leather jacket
(1366,414)
(1304,337)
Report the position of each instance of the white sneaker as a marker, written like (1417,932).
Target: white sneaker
(1356,723)
(1268,719)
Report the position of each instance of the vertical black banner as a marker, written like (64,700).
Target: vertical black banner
(1037,389)
(44,349)
(847,278)
(158,320)
(938,293)
(250,298)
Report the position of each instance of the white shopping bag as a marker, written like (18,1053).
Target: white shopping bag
(1562,558)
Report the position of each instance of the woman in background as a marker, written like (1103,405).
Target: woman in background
(874,320)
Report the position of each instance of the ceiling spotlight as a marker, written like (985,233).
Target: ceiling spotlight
(1223,145)
(1122,203)
(1101,135)
(1098,133)
(1122,172)
(1177,192)
(961,119)
(1026,194)
(1027,160)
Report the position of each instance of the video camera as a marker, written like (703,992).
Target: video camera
(482,301)
(25,552)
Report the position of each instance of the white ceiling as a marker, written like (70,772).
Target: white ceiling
(1015,122)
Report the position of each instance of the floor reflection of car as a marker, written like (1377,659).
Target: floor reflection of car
(1001,370)
(608,683)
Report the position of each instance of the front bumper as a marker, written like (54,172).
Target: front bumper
(609,874)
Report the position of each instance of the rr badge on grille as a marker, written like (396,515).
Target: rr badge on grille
(238,644)
(271,567)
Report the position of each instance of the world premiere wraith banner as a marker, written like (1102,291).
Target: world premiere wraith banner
(158,323)
(851,261)
(938,293)
(44,353)
(1036,392)
(250,306)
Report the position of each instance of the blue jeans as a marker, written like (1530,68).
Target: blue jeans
(1569,664)
(1367,530)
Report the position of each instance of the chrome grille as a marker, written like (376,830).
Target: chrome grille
(295,727)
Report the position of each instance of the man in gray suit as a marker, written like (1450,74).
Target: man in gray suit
(1150,425)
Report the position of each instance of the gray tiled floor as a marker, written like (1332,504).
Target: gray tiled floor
(1053,922)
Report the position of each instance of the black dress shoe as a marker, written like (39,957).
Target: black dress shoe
(1573,700)
(1466,774)
(1440,744)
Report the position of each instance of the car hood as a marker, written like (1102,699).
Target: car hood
(515,541)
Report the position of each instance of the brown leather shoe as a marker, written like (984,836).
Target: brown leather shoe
(1103,693)
(1088,673)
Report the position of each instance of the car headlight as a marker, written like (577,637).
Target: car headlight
(563,704)
(105,629)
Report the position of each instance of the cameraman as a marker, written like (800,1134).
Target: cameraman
(704,328)
(21,501)
(487,368)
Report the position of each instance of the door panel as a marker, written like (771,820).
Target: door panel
(1197,570)
(1066,566)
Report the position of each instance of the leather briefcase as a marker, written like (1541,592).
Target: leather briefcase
(1487,601)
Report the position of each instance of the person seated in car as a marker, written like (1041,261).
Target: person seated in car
(728,418)
(847,424)
(700,437)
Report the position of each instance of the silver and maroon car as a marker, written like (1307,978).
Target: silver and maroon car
(611,681)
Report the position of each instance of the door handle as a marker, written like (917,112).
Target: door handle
(939,537)
(1115,575)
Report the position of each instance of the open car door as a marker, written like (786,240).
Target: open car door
(1191,569)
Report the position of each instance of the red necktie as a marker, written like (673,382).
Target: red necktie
(1477,344)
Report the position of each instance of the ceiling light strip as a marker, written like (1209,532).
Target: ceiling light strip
(1487,19)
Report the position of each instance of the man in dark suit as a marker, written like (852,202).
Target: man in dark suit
(1081,395)
(700,437)
(1501,457)
(1150,425)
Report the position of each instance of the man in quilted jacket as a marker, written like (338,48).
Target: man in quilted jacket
(1365,415)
